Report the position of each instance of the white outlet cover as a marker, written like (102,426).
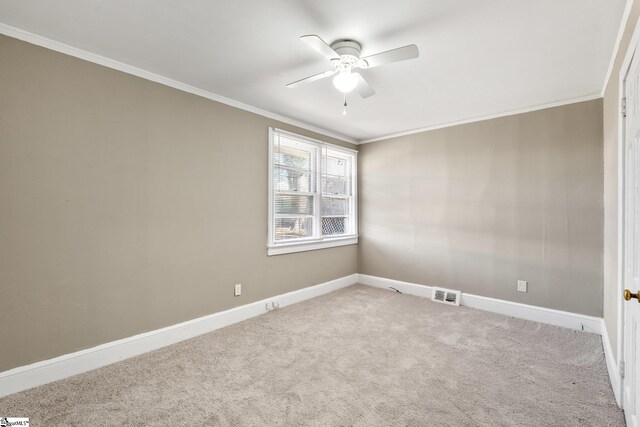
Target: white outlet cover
(237,290)
(522,286)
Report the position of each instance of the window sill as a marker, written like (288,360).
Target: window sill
(311,246)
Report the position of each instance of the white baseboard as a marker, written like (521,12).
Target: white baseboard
(612,365)
(565,319)
(579,322)
(46,371)
(404,287)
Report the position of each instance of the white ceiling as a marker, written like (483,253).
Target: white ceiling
(477,58)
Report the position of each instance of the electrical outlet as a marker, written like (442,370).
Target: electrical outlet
(273,306)
(522,286)
(237,290)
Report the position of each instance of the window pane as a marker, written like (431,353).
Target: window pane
(335,166)
(332,206)
(293,157)
(313,187)
(293,228)
(335,185)
(334,226)
(291,180)
(298,205)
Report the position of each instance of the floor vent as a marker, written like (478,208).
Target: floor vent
(446,296)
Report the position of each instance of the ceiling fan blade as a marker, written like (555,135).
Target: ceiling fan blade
(363,88)
(393,55)
(320,46)
(312,78)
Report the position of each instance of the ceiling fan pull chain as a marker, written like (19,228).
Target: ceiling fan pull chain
(344,110)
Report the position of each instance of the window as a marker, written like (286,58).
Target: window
(312,194)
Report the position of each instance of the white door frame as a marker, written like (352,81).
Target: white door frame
(626,63)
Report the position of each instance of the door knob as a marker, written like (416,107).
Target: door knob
(628,295)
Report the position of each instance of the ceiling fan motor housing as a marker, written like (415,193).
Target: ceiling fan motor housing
(349,52)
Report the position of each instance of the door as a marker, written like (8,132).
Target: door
(632,246)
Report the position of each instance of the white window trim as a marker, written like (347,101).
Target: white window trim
(311,244)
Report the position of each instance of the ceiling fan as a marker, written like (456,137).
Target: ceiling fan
(345,58)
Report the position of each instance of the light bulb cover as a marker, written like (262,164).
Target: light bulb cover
(346,81)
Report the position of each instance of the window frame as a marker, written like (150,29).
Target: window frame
(319,241)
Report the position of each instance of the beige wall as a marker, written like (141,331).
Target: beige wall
(122,208)
(126,206)
(478,206)
(610,131)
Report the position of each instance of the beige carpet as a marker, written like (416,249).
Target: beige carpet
(358,356)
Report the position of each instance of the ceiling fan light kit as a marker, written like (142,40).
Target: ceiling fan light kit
(345,81)
(344,56)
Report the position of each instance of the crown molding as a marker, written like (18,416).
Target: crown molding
(616,46)
(157,78)
(590,97)
(38,40)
